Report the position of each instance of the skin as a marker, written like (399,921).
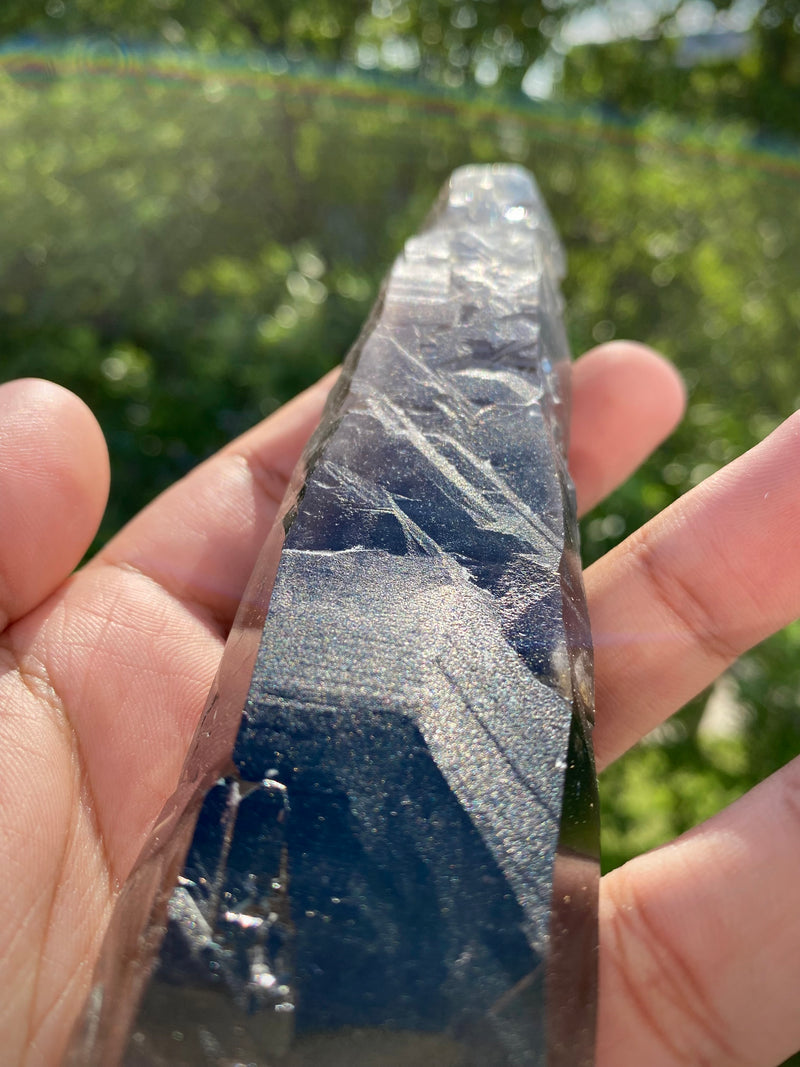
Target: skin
(104,673)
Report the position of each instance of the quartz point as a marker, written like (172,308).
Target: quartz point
(398,864)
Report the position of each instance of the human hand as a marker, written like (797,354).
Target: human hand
(103,676)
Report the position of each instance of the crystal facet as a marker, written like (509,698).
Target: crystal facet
(399,863)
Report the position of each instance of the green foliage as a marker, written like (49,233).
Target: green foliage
(762,86)
(457,43)
(451,41)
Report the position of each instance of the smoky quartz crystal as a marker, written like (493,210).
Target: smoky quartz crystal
(398,863)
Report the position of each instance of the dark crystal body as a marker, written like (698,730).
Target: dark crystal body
(399,864)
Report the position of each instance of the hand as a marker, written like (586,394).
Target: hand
(103,676)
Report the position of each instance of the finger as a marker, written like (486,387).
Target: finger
(625,400)
(53,488)
(699,941)
(701,583)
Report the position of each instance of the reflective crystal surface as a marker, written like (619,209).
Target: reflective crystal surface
(398,865)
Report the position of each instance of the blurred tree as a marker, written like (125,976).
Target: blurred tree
(447,40)
(471,42)
(759,82)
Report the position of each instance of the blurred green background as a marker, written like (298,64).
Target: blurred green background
(199,198)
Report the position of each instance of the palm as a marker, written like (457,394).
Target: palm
(104,676)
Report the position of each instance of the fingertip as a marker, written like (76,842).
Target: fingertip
(626,399)
(635,367)
(54,479)
(41,419)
